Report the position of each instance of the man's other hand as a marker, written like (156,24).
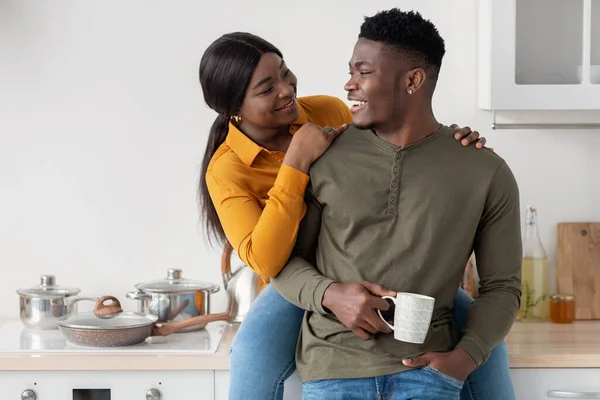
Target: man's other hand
(457,363)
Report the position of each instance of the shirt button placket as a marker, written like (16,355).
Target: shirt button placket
(395,184)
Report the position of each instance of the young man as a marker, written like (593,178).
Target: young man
(386,207)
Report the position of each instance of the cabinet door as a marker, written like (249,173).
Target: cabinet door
(221,385)
(534,384)
(595,44)
(539,54)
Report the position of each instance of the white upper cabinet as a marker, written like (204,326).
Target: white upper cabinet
(538,54)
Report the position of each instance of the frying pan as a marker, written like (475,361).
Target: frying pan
(109,326)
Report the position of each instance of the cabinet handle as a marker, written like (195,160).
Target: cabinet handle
(561,394)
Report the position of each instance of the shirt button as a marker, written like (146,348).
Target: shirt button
(398,156)
(396,169)
(394,184)
(393,200)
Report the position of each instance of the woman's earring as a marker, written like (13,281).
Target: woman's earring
(237,119)
(410,91)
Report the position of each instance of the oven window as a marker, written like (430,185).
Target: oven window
(91,394)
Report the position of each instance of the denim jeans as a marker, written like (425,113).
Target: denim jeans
(263,352)
(423,384)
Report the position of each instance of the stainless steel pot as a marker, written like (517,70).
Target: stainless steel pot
(109,326)
(41,306)
(174,298)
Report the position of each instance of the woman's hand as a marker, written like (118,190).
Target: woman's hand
(468,137)
(309,143)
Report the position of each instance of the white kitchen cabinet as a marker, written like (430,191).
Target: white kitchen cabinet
(538,54)
(292,389)
(221,385)
(568,383)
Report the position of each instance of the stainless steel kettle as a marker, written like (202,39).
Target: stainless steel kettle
(242,286)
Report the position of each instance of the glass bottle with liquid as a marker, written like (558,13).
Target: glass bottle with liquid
(534,287)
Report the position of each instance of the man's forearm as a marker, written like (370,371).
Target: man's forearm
(490,317)
(302,284)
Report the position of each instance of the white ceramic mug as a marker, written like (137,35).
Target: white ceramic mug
(412,316)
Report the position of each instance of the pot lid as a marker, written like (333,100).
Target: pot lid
(88,320)
(48,289)
(175,283)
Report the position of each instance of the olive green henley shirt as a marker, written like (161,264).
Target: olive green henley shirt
(407,218)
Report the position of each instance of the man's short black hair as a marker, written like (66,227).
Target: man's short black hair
(408,34)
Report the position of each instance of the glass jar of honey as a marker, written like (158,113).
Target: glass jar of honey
(562,308)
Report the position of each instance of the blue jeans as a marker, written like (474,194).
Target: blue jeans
(417,384)
(263,353)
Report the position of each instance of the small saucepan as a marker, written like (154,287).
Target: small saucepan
(109,326)
(41,306)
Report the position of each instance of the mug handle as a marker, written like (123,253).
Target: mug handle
(381,316)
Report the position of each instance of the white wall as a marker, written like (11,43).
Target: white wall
(102,128)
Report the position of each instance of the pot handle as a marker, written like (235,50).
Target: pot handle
(226,263)
(72,300)
(172,327)
(138,296)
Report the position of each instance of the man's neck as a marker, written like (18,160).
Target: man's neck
(410,129)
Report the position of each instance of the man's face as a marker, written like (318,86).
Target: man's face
(376,86)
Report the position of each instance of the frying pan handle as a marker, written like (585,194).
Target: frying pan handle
(174,313)
(172,327)
(103,310)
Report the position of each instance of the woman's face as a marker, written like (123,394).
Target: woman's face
(270,101)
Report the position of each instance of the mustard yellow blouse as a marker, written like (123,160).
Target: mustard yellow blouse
(260,202)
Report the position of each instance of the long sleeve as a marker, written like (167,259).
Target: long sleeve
(299,281)
(262,237)
(498,252)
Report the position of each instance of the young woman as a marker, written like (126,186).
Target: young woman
(254,174)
